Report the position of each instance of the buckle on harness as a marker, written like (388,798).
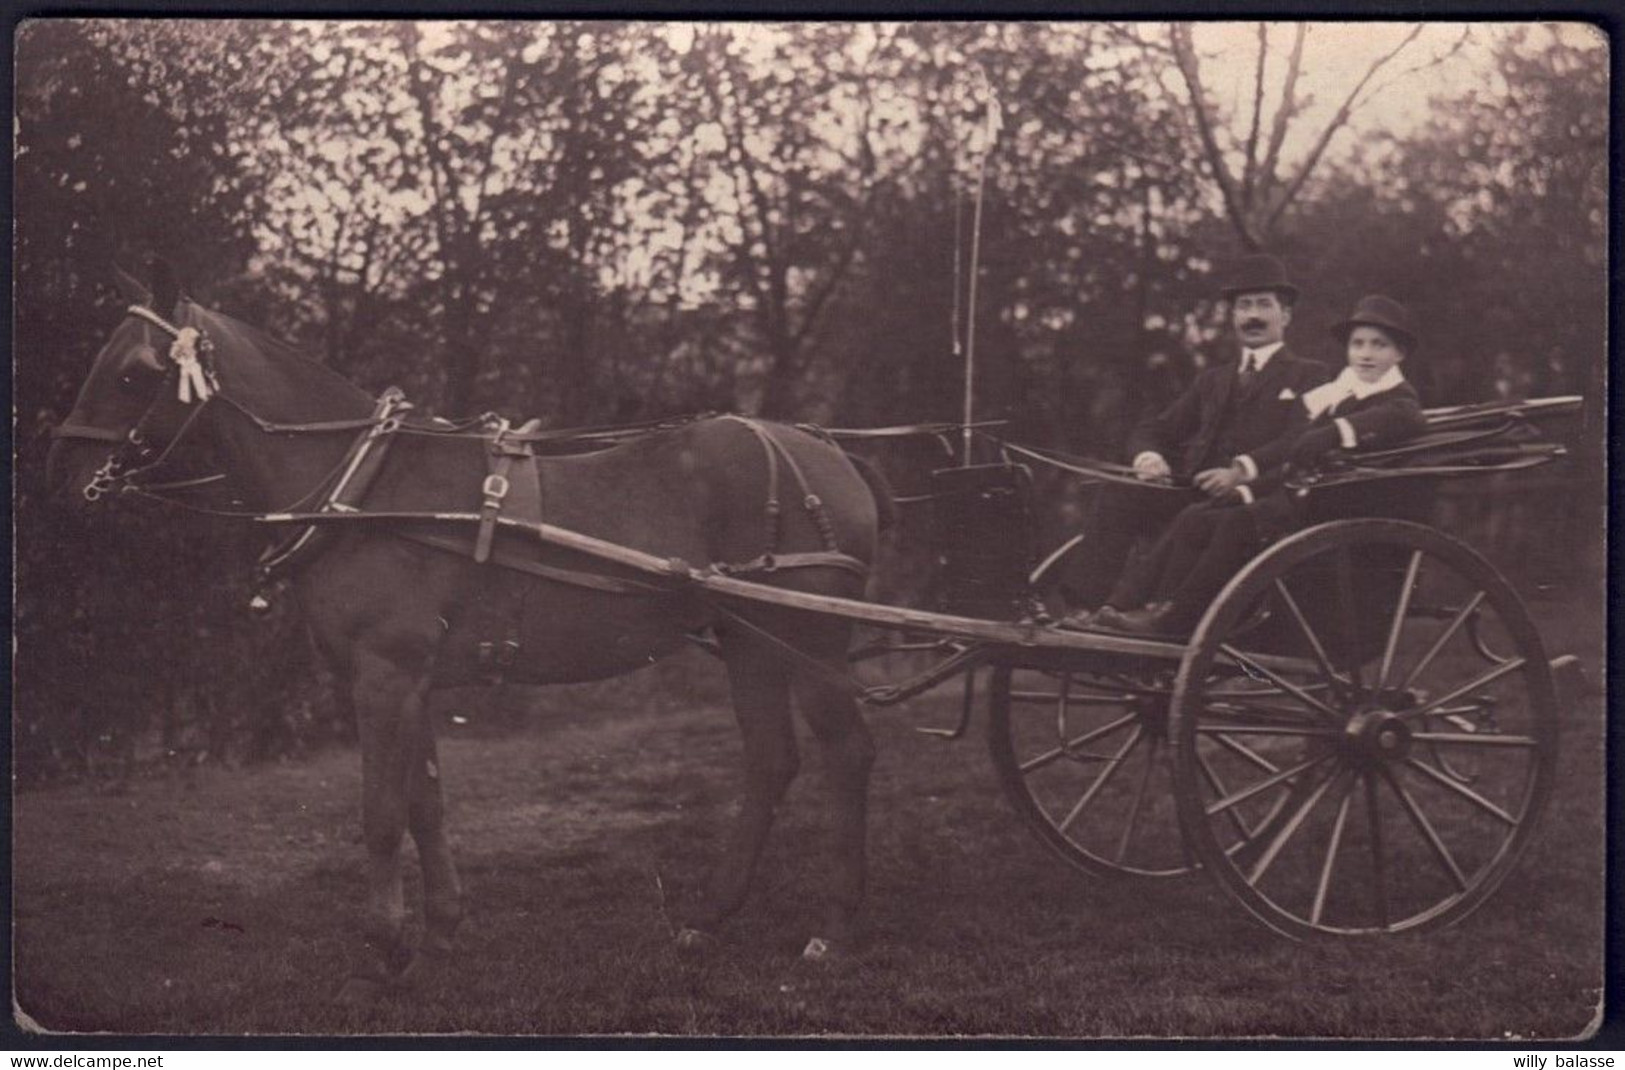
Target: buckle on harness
(496,487)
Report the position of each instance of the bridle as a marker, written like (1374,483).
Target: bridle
(190,353)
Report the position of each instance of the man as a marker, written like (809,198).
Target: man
(1201,440)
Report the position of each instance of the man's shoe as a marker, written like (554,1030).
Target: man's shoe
(1154,620)
(1108,618)
(1079,621)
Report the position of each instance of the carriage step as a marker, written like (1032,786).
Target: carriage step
(1569,679)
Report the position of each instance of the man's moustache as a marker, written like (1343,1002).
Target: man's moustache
(1252,323)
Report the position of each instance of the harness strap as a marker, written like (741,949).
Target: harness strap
(772,509)
(357,471)
(809,501)
(505,448)
(776,452)
(274,427)
(100,434)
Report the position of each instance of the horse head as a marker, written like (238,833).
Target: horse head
(146,385)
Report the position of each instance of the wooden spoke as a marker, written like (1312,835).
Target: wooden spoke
(1099,782)
(1247,754)
(1440,852)
(1444,637)
(1041,760)
(1290,827)
(1212,777)
(1379,864)
(1446,781)
(1398,624)
(1510,665)
(1284,684)
(1059,775)
(1265,730)
(1152,750)
(1324,884)
(1351,623)
(1047,698)
(1302,621)
(1262,786)
(1475,739)
(1285,716)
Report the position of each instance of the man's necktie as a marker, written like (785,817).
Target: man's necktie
(1249,370)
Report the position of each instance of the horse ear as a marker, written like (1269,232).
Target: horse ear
(133,291)
(166,289)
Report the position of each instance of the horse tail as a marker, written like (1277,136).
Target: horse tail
(880,488)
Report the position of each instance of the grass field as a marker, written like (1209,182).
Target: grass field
(224,904)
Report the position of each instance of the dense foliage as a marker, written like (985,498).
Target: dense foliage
(604,221)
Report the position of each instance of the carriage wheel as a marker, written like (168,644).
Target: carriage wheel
(1392,776)
(1085,761)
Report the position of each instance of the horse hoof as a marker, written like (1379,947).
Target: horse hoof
(694,942)
(819,950)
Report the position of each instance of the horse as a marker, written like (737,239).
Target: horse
(391,604)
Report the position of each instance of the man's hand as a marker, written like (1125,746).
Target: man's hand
(1217,482)
(1149,466)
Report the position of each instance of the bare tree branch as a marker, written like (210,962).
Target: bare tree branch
(1249,167)
(1122,35)
(1438,60)
(1284,113)
(1185,59)
(1337,122)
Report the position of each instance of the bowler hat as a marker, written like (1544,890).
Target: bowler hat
(1375,310)
(1257,273)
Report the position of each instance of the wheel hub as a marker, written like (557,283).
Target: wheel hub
(1152,712)
(1378,735)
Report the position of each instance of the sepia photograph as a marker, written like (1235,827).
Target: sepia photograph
(1005,530)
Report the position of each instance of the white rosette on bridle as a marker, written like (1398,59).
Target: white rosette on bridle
(195,379)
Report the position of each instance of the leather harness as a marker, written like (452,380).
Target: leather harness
(512,490)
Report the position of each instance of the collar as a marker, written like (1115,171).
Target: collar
(1261,355)
(1349,385)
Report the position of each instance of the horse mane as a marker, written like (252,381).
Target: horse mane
(275,378)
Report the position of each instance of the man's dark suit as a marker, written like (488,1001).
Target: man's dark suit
(1206,427)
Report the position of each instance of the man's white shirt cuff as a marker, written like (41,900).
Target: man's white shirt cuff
(1345,432)
(1247,466)
(1143,454)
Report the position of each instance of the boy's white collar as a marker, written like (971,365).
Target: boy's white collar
(1348,385)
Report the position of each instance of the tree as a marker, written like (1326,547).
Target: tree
(1255,182)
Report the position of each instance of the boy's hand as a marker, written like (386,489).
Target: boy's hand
(1216,482)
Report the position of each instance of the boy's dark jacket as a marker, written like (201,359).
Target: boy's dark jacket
(1379,420)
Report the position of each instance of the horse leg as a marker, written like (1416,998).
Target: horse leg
(761,695)
(388,699)
(425,818)
(849,755)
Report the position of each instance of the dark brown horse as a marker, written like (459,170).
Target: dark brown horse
(396,616)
